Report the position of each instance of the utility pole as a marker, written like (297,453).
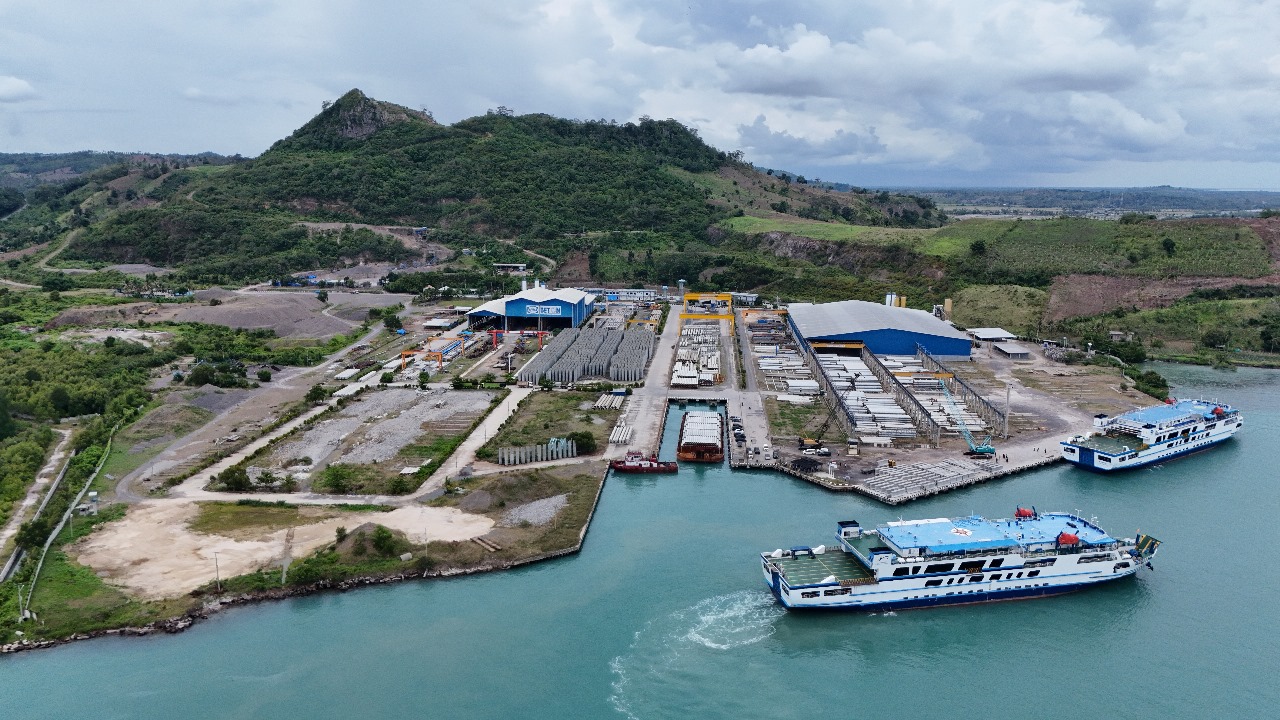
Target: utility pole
(217,574)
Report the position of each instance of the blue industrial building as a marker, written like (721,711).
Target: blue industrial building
(537,308)
(883,329)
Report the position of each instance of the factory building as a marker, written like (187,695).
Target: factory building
(883,329)
(536,308)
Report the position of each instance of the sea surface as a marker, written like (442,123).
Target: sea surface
(664,614)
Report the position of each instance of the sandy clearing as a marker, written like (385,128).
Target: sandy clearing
(153,554)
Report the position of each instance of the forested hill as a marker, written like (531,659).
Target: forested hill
(534,180)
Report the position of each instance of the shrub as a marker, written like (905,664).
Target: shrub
(235,479)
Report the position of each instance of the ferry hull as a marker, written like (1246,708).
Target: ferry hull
(939,598)
(1088,461)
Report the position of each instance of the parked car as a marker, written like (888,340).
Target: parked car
(810,451)
(824,452)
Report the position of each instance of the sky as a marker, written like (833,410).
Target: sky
(1084,93)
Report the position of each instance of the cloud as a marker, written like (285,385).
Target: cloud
(971,91)
(14,89)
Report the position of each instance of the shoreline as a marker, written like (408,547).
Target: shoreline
(184,622)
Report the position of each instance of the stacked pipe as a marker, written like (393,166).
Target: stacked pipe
(572,365)
(598,365)
(533,371)
(632,355)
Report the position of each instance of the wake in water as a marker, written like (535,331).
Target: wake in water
(668,659)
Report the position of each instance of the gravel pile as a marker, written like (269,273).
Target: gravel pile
(538,512)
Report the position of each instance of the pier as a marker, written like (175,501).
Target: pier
(904,483)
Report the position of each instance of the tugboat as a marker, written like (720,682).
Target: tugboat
(951,561)
(636,462)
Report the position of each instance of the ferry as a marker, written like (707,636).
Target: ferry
(1152,434)
(636,462)
(952,561)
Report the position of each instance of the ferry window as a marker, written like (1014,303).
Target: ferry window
(995,576)
(971,565)
(812,594)
(1104,458)
(997,562)
(1019,574)
(939,567)
(975,578)
(840,591)
(933,583)
(1033,573)
(901,572)
(915,569)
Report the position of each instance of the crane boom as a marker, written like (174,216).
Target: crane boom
(985,446)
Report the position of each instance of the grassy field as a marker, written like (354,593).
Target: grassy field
(819,230)
(491,495)
(546,415)
(1015,308)
(150,435)
(223,518)
(1077,245)
(504,491)
(1188,321)
(789,421)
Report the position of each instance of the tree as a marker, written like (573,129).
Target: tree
(383,541)
(1170,247)
(1215,338)
(7,426)
(202,374)
(264,375)
(423,378)
(60,399)
(977,248)
(316,394)
(235,479)
(387,377)
(32,533)
(392,322)
(322,296)
(586,441)
(337,478)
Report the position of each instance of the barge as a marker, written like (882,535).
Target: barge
(701,437)
(951,561)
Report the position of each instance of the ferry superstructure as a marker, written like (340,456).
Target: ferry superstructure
(951,561)
(1152,434)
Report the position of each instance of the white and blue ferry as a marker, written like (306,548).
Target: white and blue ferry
(1152,434)
(951,561)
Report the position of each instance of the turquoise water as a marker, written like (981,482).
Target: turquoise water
(664,615)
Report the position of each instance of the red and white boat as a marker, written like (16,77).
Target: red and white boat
(636,462)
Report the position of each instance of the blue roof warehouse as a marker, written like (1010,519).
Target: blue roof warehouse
(885,330)
(537,307)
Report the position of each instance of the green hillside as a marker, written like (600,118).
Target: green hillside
(562,188)
(642,202)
